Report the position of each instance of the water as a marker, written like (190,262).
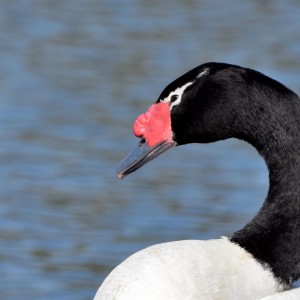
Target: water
(74,75)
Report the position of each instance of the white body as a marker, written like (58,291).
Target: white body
(190,270)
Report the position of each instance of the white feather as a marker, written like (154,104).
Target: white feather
(179,92)
(214,269)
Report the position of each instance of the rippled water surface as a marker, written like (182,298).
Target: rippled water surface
(74,75)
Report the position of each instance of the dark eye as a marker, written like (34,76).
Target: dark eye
(174,98)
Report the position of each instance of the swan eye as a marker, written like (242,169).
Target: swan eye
(174,98)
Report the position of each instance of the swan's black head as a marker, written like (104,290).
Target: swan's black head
(213,101)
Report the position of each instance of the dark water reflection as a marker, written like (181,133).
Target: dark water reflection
(74,75)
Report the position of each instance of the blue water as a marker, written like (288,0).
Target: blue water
(74,75)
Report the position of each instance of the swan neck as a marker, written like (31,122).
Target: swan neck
(272,237)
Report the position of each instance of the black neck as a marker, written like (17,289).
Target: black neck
(273,236)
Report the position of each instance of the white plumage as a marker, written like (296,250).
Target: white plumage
(189,270)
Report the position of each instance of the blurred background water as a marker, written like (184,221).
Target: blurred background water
(73,77)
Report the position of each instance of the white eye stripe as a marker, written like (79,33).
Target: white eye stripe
(178,92)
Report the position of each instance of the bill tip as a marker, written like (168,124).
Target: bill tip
(120,175)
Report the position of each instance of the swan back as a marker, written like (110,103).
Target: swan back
(191,269)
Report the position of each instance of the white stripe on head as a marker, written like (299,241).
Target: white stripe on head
(204,72)
(177,93)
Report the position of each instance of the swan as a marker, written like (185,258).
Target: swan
(217,101)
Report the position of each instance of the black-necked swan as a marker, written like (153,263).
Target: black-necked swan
(212,102)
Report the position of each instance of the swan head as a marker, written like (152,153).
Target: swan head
(171,121)
(212,102)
